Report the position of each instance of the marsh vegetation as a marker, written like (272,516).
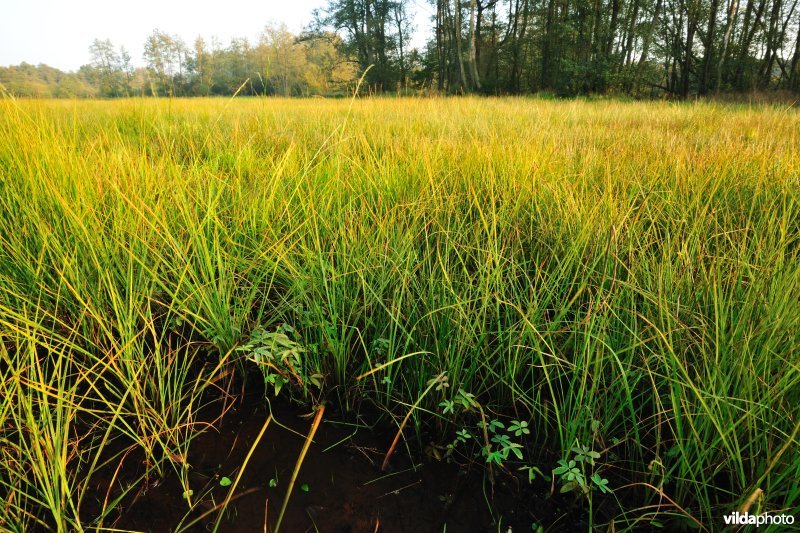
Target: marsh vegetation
(597,300)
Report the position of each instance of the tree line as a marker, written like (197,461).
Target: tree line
(565,47)
(678,47)
(279,63)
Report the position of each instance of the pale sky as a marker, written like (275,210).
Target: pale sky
(59,32)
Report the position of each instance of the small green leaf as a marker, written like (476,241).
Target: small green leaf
(225,482)
(447,406)
(519,428)
(494,425)
(561,469)
(463,435)
(495,457)
(304,487)
(601,483)
(466,399)
(569,487)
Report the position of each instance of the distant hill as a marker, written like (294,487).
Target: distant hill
(43,81)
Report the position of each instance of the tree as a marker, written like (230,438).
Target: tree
(202,66)
(166,58)
(108,66)
(284,61)
(376,32)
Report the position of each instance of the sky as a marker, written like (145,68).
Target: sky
(59,32)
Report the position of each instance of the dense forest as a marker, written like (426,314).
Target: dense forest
(566,47)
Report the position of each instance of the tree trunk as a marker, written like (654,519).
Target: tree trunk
(769,55)
(794,70)
(596,25)
(459,54)
(646,43)
(687,59)
(747,38)
(473,63)
(398,15)
(440,56)
(709,53)
(612,32)
(546,74)
(725,40)
(631,33)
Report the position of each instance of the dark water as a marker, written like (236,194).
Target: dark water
(346,489)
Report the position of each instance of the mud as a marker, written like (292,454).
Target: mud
(340,488)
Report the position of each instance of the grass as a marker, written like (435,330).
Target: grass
(623,276)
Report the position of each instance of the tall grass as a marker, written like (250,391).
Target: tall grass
(623,275)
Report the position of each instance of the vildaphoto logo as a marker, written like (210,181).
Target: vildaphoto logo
(744,519)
